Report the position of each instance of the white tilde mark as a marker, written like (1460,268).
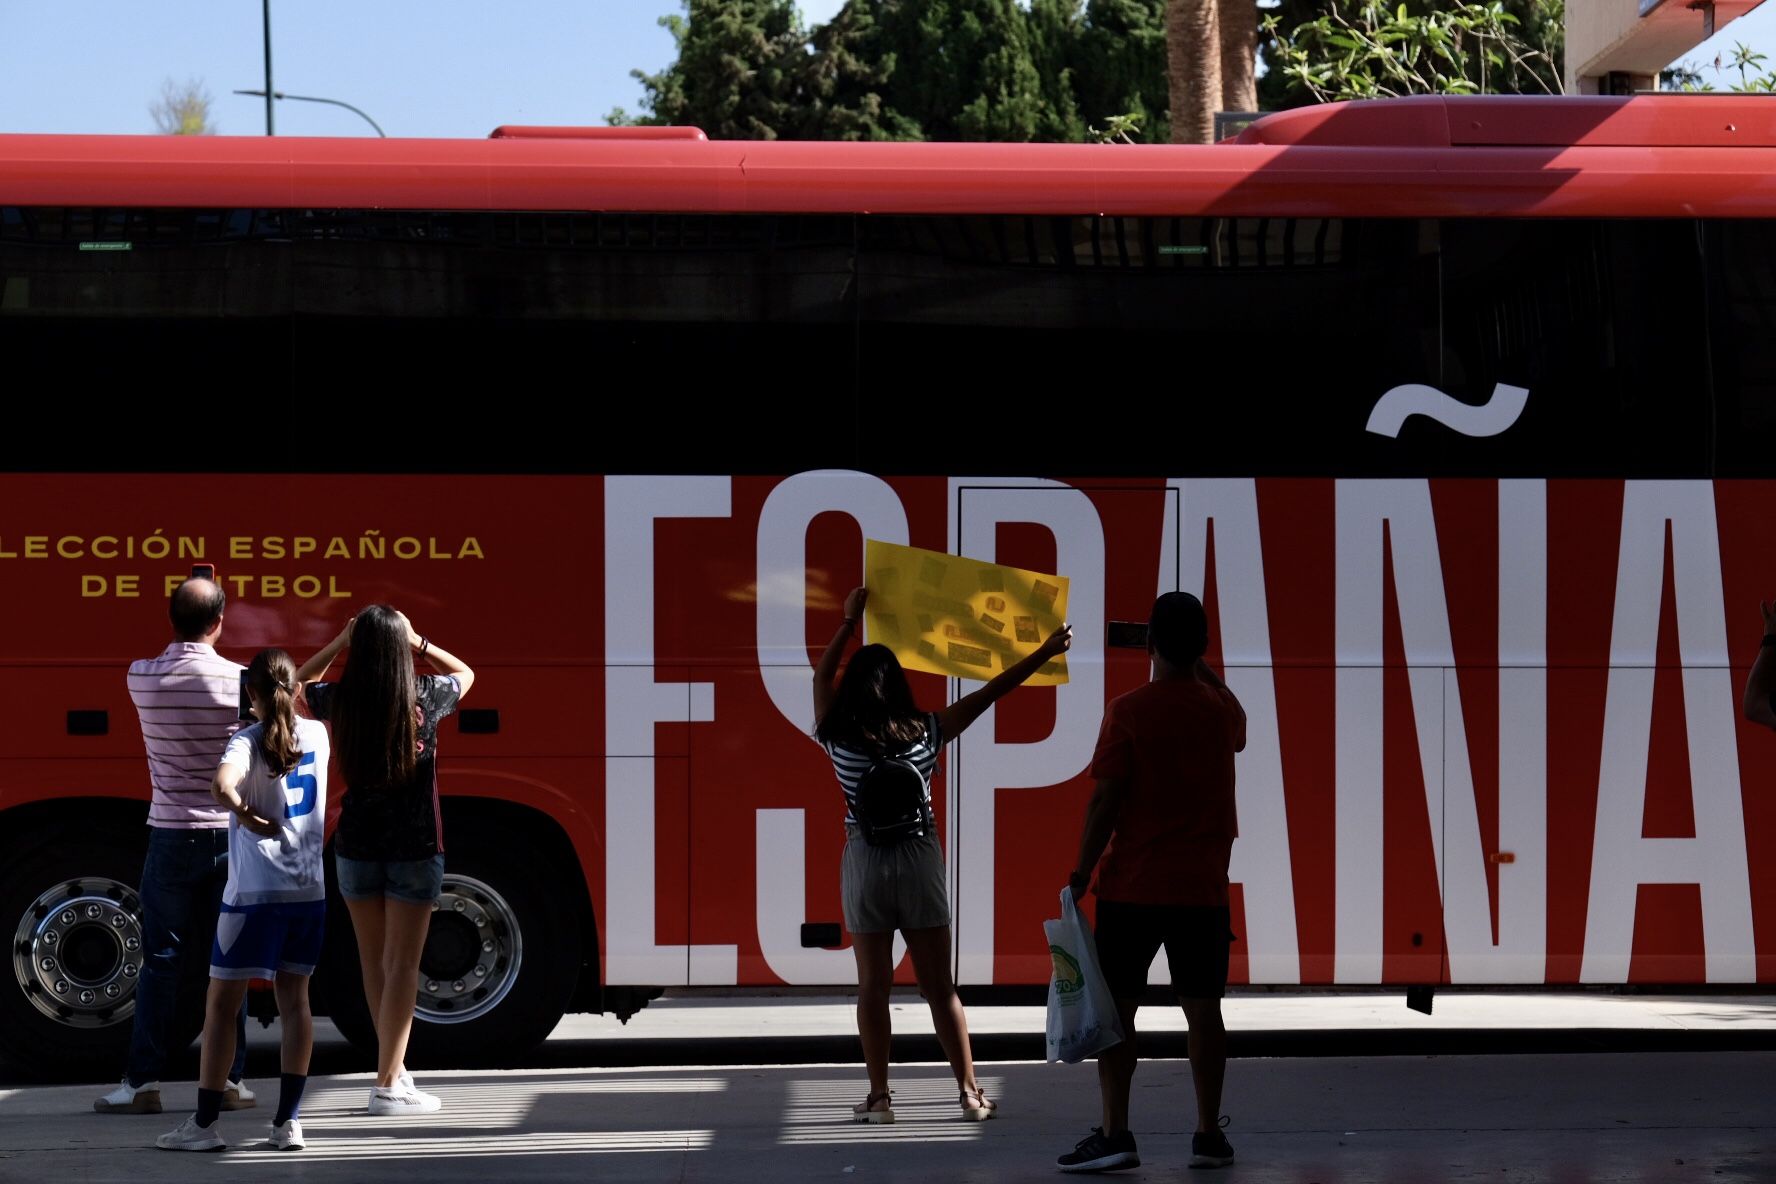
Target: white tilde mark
(1488,419)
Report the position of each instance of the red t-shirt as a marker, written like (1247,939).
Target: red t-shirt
(1173,742)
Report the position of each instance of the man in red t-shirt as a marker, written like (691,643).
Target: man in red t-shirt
(1164,771)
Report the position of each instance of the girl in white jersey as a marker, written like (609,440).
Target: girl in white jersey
(866,714)
(273,778)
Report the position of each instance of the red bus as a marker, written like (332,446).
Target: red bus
(1457,412)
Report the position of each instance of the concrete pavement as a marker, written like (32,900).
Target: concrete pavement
(705,1016)
(1511,1119)
(702,1029)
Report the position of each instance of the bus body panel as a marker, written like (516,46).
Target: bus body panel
(1474,757)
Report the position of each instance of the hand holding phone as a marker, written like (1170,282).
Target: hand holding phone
(1126,635)
(246,700)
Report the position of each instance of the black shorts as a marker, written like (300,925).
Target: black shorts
(1196,940)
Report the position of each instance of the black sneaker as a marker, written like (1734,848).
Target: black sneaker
(1211,1150)
(1098,1152)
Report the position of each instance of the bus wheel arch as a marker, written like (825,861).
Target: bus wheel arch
(70,872)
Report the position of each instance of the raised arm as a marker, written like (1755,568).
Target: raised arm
(826,670)
(955,718)
(315,668)
(440,659)
(1206,674)
(1761,683)
(225,788)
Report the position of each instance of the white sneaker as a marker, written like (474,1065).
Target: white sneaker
(236,1096)
(287,1135)
(131,1099)
(188,1136)
(394,1100)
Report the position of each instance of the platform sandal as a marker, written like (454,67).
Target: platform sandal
(865,1111)
(977,1107)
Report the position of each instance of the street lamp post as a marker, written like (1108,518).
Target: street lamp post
(269,127)
(278,94)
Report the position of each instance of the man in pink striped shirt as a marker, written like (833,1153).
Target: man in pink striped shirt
(188,701)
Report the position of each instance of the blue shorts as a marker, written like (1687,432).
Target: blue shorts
(259,940)
(417,881)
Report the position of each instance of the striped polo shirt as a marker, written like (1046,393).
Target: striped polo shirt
(850,764)
(188,700)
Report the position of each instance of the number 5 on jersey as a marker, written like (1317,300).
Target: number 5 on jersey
(300,788)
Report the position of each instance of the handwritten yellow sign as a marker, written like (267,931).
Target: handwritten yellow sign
(947,615)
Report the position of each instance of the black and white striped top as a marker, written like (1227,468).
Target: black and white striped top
(849,764)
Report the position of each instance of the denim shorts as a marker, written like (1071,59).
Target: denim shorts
(415,880)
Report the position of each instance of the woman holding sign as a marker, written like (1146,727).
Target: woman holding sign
(884,750)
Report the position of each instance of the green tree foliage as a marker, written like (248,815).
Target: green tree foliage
(913,70)
(847,75)
(1119,64)
(963,69)
(1320,50)
(739,71)
(1748,73)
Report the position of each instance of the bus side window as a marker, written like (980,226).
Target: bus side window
(1742,336)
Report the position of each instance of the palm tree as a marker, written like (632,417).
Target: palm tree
(1193,68)
(1211,56)
(1239,55)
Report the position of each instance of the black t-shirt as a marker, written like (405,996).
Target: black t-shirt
(399,822)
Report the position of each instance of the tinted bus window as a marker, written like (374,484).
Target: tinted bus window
(772,343)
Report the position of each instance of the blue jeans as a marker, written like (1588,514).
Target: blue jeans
(182,881)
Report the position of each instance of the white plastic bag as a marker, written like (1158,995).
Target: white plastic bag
(1082,1019)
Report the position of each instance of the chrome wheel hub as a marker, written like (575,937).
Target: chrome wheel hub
(472,953)
(77,952)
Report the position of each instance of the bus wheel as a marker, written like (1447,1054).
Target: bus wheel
(68,905)
(499,964)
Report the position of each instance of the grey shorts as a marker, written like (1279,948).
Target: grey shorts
(888,888)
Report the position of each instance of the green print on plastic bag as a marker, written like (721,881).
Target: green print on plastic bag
(1069,980)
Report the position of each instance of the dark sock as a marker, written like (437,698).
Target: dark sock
(290,1097)
(209,1105)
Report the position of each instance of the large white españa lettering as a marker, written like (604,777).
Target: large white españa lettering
(1715,859)
(1261,862)
(1518,954)
(980,765)
(783,664)
(633,703)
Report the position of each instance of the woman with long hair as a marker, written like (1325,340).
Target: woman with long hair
(874,732)
(390,847)
(273,782)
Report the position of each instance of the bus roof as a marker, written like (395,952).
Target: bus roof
(1490,156)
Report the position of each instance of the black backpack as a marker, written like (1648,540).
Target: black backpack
(890,806)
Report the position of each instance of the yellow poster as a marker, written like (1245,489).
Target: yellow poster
(947,615)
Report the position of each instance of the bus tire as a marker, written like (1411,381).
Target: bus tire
(72,917)
(499,967)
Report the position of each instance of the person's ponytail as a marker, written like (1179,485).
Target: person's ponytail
(272,677)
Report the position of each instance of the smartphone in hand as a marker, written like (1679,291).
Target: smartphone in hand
(1126,635)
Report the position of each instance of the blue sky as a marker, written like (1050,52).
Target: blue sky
(437,68)
(419,67)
